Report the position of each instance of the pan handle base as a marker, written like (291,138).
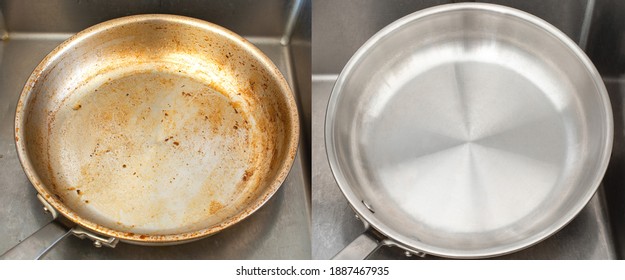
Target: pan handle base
(98,241)
(41,242)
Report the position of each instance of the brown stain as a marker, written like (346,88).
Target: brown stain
(214,207)
(247,174)
(268,145)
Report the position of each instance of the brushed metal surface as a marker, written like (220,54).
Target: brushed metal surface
(349,23)
(280,230)
(614,180)
(355,128)
(505,103)
(36,247)
(588,236)
(607,34)
(22,213)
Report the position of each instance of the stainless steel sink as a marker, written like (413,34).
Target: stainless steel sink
(341,27)
(308,217)
(280,28)
(606,48)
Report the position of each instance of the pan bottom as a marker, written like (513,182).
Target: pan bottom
(457,154)
(153,153)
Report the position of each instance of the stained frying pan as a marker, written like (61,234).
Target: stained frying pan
(155,129)
(466,131)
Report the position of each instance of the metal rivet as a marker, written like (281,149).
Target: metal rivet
(97,244)
(407,254)
(45,209)
(368,206)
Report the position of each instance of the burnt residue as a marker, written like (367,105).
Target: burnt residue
(247,174)
(253,121)
(214,207)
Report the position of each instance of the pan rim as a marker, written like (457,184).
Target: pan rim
(417,246)
(292,140)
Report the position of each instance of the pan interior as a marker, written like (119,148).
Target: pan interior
(476,139)
(153,152)
(156,127)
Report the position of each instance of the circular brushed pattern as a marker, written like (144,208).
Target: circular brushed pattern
(473,130)
(481,153)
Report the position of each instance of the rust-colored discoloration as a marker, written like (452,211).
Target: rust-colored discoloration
(76,107)
(247,175)
(214,207)
(243,99)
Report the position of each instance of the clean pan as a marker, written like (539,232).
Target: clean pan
(467,131)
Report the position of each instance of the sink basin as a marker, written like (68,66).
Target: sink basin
(349,24)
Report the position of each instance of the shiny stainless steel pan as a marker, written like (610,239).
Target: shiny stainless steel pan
(155,129)
(466,131)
